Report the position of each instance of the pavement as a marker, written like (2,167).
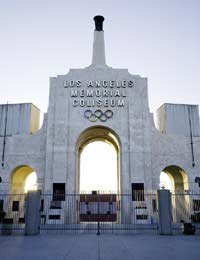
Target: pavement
(103,247)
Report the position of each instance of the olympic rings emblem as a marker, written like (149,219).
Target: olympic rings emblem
(98,114)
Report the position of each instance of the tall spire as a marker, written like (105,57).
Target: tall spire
(98,57)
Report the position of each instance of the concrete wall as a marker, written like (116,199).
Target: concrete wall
(144,151)
(178,119)
(34,119)
(23,150)
(167,150)
(21,119)
(66,122)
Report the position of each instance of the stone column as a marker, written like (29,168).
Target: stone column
(164,211)
(98,56)
(32,213)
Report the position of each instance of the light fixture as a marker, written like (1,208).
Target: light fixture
(197,180)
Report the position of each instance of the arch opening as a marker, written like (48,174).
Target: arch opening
(98,175)
(98,161)
(175,179)
(23,179)
(98,168)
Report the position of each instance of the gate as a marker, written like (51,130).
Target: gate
(185,209)
(12,209)
(99,213)
(98,208)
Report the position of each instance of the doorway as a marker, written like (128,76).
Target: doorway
(98,177)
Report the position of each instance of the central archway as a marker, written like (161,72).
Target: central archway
(98,168)
(98,202)
(104,139)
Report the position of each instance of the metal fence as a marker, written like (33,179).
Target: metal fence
(12,208)
(185,209)
(99,213)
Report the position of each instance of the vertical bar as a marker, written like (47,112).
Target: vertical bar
(4,136)
(98,212)
(191,138)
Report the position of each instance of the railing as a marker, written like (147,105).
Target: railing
(96,213)
(12,217)
(100,213)
(185,209)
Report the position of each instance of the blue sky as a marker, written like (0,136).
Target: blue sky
(158,39)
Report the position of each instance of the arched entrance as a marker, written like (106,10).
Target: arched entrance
(98,168)
(98,174)
(106,140)
(23,178)
(175,179)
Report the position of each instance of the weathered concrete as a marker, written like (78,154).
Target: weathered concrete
(32,213)
(19,118)
(179,119)
(165,212)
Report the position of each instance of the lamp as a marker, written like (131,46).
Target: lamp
(197,180)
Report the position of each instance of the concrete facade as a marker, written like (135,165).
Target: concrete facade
(18,119)
(121,104)
(179,120)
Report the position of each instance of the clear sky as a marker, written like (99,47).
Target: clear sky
(158,39)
